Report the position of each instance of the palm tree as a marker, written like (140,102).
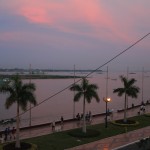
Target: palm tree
(87,91)
(20,94)
(129,89)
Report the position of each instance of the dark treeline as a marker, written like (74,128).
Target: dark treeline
(45,70)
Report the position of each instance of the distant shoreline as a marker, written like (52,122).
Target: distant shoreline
(40,76)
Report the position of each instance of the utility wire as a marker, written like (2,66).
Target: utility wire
(138,41)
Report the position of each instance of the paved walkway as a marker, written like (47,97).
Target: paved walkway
(43,130)
(104,144)
(115,141)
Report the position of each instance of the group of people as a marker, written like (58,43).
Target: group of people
(142,109)
(61,123)
(88,116)
(9,134)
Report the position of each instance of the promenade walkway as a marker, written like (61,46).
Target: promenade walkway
(104,144)
(46,129)
(113,143)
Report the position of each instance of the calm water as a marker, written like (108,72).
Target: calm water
(62,104)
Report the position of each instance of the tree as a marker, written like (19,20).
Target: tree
(129,89)
(87,91)
(20,94)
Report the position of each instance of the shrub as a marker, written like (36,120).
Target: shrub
(147,115)
(1,147)
(24,146)
(128,123)
(89,133)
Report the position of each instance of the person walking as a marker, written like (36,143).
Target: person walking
(9,132)
(1,138)
(13,131)
(62,122)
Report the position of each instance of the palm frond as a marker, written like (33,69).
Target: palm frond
(131,82)
(75,87)
(84,84)
(129,88)
(9,101)
(86,89)
(19,93)
(78,96)
(120,91)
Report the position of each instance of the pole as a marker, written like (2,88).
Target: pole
(127,79)
(74,96)
(30,103)
(142,83)
(106,97)
(106,115)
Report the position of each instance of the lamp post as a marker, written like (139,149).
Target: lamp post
(106,100)
(74,95)
(30,103)
(142,83)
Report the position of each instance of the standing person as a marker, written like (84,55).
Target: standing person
(53,126)
(90,116)
(62,121)
(1,138)
(78,117)
(5,134)
(144,109)
(13,131)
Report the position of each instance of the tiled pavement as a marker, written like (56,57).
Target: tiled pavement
(104,144)
(115,141)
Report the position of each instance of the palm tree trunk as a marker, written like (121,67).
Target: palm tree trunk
(84,123)
(17,129)
(125,109)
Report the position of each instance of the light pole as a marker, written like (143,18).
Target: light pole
(30,103)
(142,84)
(106,100)
(74,95)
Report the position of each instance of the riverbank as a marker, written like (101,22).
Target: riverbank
(44,137)
(38,76)
(119,112)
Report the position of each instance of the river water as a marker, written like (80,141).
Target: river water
(62,104)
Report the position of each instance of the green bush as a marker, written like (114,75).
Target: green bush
(89,133)
(24,146)
(125,124)
(1,147)
(34,147)
(147,115)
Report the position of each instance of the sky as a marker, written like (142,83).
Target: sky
(58,34)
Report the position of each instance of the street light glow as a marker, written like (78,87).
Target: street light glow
(107,99)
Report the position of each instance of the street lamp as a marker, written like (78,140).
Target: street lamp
(106,100)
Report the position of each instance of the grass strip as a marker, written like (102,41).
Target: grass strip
(62,140)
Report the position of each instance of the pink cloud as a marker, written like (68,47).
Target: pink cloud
(35,15)
(63,14)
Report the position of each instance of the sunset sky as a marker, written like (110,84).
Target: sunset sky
(60,33)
